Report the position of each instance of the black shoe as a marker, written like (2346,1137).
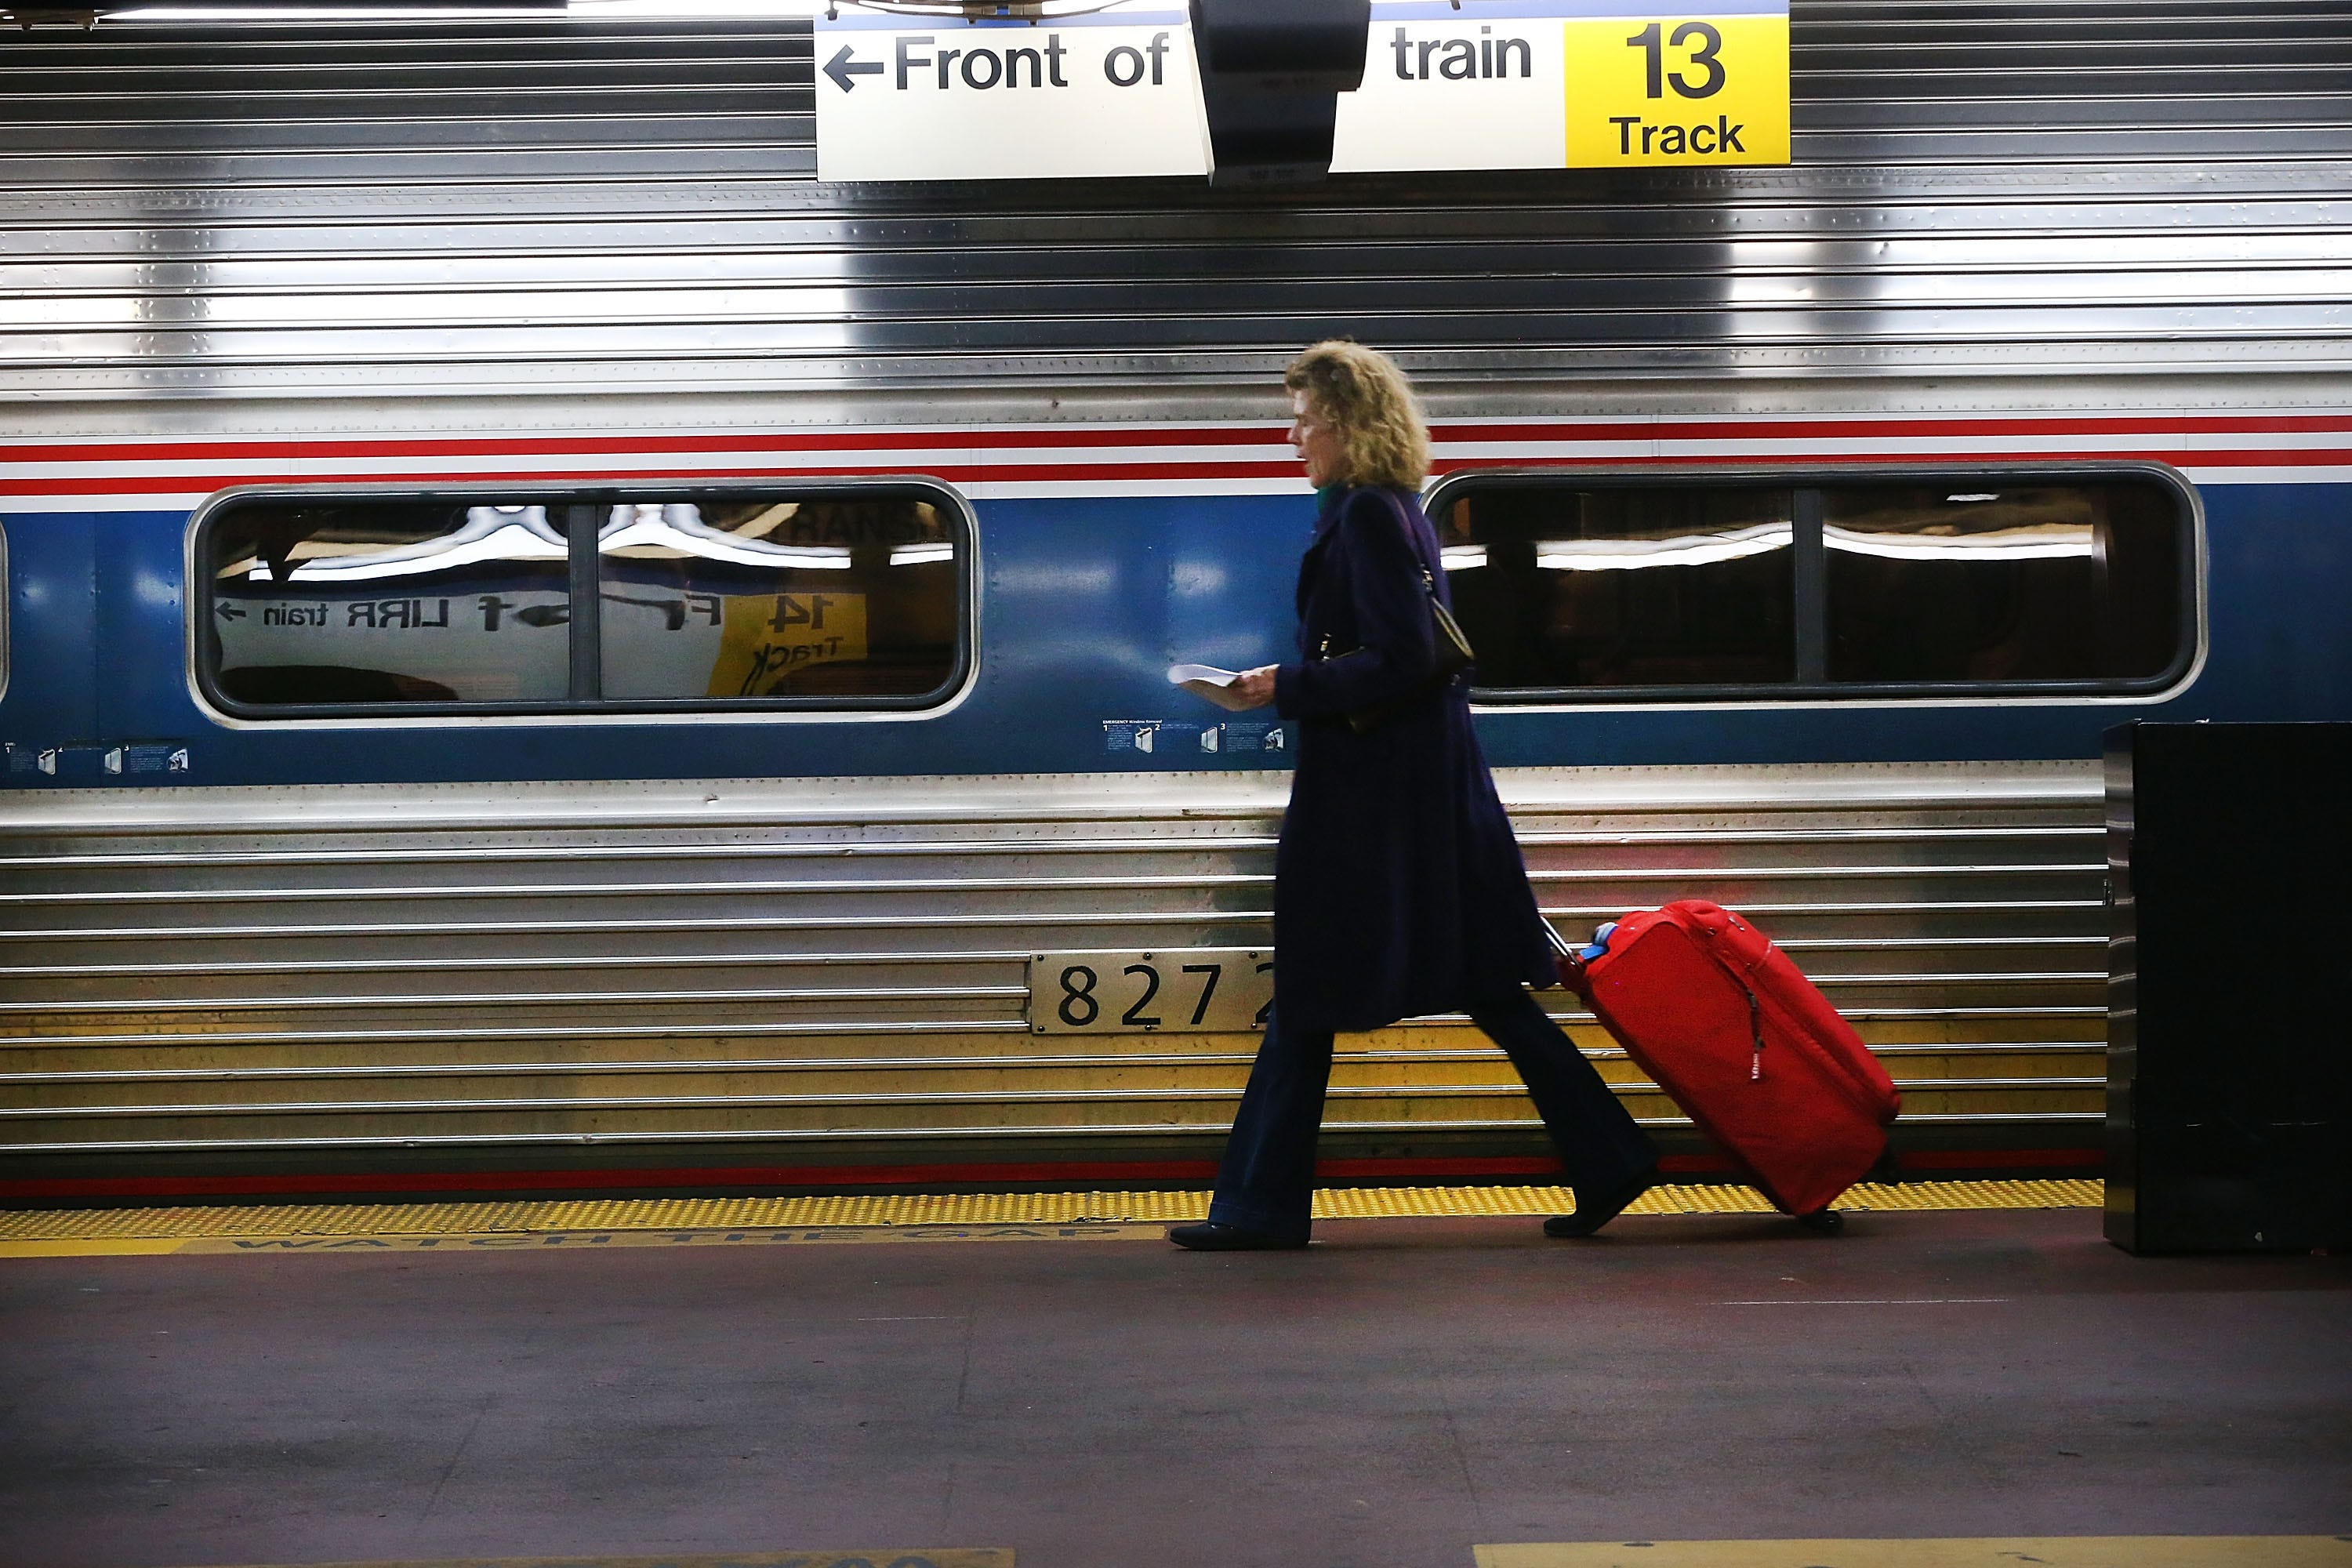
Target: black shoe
(1213,1237)
(1592,1215)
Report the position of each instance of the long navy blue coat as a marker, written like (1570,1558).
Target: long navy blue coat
(1399,889)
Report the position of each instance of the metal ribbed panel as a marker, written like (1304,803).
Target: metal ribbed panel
(440,205)
(843,964)
(419,212)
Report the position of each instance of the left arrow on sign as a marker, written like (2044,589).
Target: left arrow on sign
(844,68)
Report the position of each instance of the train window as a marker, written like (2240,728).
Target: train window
(842,596)
(1575,588)
(753,598)
(2000,582)
(365,601)
(1624,588)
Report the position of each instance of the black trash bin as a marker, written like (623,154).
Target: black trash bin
(2229,987)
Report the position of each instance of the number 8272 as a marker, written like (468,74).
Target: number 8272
(1208,990)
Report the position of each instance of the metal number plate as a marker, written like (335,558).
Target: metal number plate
(1211,990)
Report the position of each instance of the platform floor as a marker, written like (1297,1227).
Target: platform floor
(1403,1392)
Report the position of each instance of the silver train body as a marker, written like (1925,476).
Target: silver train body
(704,950)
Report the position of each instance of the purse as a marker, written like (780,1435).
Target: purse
(1454,655)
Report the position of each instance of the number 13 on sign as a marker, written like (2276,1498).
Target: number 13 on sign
(1654,88)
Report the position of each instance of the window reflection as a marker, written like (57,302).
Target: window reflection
(1659,586)
(752,597)
(365,601)
(2035,583)
(854,596)
(1860,586)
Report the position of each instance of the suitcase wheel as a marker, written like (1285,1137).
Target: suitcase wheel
(1828,1222)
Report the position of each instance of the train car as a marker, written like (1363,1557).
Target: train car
(549,650)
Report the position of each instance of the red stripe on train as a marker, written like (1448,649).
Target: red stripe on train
(1875,429)
(514,445)
(2188,457)
(185,484)
(1091,436)
(1068,473)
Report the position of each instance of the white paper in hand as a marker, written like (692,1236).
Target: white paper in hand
(1207,681)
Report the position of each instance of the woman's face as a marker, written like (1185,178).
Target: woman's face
(1316,440)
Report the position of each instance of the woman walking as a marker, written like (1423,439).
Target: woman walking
(1399,889)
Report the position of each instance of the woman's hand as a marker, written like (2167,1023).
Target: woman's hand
(1255,687)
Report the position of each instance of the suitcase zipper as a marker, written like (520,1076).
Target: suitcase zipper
(1859,1095)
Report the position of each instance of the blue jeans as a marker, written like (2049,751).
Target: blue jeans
(1266,1180)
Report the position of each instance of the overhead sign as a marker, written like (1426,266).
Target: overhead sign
(1505,84)
(1569,84)
(1112,93)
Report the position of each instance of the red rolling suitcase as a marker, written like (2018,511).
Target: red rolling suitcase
(1755,1056)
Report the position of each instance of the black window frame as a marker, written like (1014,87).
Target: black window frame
(585,578)
(1809,604)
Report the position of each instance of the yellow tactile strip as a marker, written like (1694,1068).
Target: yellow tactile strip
(529,1216)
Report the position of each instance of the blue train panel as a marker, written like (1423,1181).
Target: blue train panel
(1083,604)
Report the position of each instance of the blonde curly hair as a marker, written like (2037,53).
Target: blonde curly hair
(1364,397)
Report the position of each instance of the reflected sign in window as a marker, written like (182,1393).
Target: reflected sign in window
(370,601)
(847,595)
(737,598)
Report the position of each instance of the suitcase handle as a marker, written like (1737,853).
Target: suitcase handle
(1572,975)
(1565,960)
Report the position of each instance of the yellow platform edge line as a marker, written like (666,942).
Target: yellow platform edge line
(79,1226)
(2049,1552)
(92,1247)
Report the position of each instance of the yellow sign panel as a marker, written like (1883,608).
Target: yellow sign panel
(767,638)
(1669,90)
